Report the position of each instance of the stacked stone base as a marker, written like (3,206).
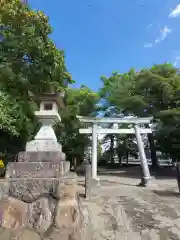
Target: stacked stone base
(38,200)
(45,215)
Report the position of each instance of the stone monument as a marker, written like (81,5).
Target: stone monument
(38,197)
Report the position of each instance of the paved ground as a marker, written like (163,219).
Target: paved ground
(122,211)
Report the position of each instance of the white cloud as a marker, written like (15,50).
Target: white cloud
(148,45)
(177,61)
(164,33)
(175,12)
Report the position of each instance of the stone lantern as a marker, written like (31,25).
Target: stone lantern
(48,116)
(38,197)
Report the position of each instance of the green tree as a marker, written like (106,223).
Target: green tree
(29,59)
(117,84)
(29,63)
(78,102)
(153,91)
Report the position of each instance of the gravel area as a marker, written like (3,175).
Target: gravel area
(122,211)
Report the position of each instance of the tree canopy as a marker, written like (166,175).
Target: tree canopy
(28,58)
(149,92)
(83,102)
(30,63)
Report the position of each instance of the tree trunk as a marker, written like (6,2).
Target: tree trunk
(126,151)
(173,157)
(127,158)
(112,149)
(154,159)
(120,159)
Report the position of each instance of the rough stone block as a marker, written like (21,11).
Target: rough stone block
(13,213)
(46,156)
(66,190)
(37,216)
(40,214)
(43,145)
(29,190)
(4,190)
(39,169)
(68,215)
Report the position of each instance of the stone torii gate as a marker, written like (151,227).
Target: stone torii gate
(136,129)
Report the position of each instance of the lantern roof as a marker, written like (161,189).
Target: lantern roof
(53,96)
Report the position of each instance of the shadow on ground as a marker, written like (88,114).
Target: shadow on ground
(135,172)
(166,193)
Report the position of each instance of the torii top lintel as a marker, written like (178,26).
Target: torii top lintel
(132,120)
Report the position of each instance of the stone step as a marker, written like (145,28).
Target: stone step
(37,169)
(44,156)
(43,145)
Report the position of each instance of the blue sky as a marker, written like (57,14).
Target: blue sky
(102,36)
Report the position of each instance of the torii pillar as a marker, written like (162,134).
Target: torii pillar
(94,152)
(144,164)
